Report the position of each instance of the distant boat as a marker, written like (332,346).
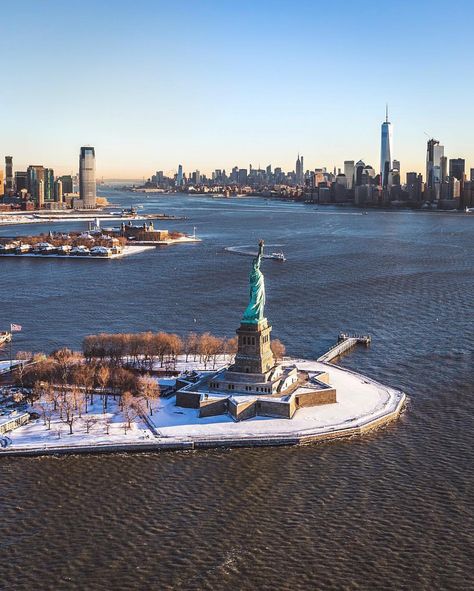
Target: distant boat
(469,210)
(277,256)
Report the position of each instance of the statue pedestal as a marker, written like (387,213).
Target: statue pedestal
(254,353)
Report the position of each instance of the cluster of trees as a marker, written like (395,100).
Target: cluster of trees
(144,350)
(63,385)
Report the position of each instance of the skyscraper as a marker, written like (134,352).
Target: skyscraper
(457,168)
(87,187)
(180,177)
(2,188)
(349,172)
(48,184)
(386,151)
(299,171)
(8,173)
(434,167)
(35,175)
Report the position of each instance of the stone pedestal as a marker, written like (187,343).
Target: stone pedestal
(254,355)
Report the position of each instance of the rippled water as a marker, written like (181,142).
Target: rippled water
(392,510)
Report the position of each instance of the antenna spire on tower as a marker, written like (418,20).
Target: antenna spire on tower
(386,112)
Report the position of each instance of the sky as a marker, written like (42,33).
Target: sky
(218,83)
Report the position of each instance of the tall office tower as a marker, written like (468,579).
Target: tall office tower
(35,174)
(349,172)
(242,176)
(9,173)
(67,183)
(87,187)
(358,171)
(434,164)
(386,151)
(58,191)
(48,184)
(40,193)
(472,175)
(444,167)
(457,167)
(299,171)
(396,165)
(198,177)
(180,177)
(21,181)
(2,188)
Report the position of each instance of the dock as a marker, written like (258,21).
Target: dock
(345,342)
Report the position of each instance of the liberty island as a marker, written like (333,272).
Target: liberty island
(250,400)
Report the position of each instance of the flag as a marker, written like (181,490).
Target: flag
(15,328)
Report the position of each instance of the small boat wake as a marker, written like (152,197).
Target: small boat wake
(244,251)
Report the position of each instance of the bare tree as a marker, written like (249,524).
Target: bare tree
(103,377)
(68,410)
(23,357)
(278,349)
(149,390)
(90,422)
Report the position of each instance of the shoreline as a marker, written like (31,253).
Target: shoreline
(344,427)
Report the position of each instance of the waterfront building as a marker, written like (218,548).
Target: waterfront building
(414,186)
(67,183)
(180,176)
(299,170)
(58,191)
(434,168)
(35,175)
(48,184)
(358,170)
(457,168)
(386,151)
(349,172)
(9,173)
(21,181)
(40,193)
(87,182)
(397,166)
(242,176)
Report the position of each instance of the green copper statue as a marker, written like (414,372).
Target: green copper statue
(254,311)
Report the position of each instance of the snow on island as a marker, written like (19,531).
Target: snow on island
(362,405)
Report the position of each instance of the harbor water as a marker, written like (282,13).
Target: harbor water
(391,510)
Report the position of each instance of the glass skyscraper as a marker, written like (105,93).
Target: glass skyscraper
(87,188)
(386,152)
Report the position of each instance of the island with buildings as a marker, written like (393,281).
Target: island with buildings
(153,391)
(96,242)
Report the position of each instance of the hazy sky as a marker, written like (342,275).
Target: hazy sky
(213,84)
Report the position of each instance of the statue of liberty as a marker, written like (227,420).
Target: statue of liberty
(254,312)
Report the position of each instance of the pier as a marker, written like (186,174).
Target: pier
(345,342)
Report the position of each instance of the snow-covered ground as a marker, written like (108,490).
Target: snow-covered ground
(360,400)
(36,435)
(127,250)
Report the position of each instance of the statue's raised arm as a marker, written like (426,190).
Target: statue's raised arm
(260,253)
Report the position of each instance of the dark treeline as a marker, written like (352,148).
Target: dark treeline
(144,350)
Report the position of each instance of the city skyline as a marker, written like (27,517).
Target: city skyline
(214,85)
